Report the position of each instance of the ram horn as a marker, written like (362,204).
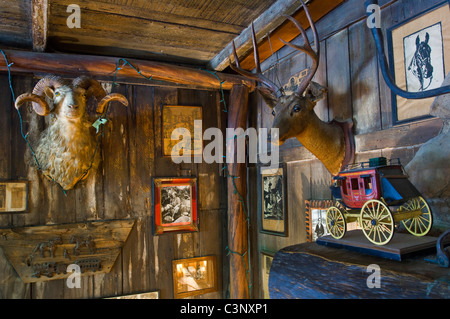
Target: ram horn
(37,98)
(92,87)
(40,106)
(101,108)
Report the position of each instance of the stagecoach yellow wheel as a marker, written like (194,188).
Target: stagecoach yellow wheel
(419,225)
(377,222)
(336,223)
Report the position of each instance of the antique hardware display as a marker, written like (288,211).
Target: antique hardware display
(41,253)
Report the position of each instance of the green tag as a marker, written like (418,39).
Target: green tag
(100,121)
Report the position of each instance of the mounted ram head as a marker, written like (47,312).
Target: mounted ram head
(332,143)
(66,148)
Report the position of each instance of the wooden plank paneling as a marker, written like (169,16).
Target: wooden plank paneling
(16,23)
(338,74)
(364,71)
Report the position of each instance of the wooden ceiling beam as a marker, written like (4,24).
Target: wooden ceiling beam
(40,24)
(264,24)
(276,26)
(105,67)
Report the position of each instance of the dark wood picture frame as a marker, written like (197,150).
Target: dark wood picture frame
(396,54)
(194,276)
(14,196)
(175,205)
(273,196)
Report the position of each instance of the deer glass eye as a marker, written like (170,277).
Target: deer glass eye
(273,112)
(297,109)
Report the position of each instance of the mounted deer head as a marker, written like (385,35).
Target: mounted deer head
(294,116)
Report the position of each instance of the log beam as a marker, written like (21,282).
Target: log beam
(237,193)
(99,66)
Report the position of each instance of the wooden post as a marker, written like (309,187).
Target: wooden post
(237,193)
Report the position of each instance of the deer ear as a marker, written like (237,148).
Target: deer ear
(315,92)
(268,96)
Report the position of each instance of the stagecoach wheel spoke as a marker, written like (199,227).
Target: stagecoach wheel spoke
(336,224)
(377,222)
(419,225)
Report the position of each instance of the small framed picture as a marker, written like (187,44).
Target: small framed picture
(183,123)
(273,204)
(316,217)
(419,53)
(13,197)
(194,276)
(266,264)
(316,214)
(175,205)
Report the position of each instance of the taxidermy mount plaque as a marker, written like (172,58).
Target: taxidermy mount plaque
(42,253)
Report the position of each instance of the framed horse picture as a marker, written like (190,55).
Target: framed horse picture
(419,53)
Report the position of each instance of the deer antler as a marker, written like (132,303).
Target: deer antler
(306,48)
(258,76)
(273,91)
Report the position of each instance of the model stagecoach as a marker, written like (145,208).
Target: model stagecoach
(378,195)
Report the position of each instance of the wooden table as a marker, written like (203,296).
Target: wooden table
(313,271)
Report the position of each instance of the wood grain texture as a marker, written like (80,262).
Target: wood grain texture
(75,65)
(237,194)
(19,246)
(39,10)
(341,274)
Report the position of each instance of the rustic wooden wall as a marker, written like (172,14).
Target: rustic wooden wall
(349,68)
(132,154)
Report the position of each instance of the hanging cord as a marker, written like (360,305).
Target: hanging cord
(221,89)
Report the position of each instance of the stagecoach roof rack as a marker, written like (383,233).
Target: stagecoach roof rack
(372,163)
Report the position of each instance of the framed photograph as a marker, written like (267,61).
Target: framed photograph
(194,276)
(13,197)
(273,204)
(316,215)
(180,122)
(266,263)
(419,56)
(175,205)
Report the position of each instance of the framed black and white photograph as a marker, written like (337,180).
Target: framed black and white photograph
(175,205)
(273,204)
(419,53)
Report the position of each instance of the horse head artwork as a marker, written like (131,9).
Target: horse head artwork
(420,64)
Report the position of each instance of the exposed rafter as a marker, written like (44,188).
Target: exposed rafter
(40,24)
(272,23)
